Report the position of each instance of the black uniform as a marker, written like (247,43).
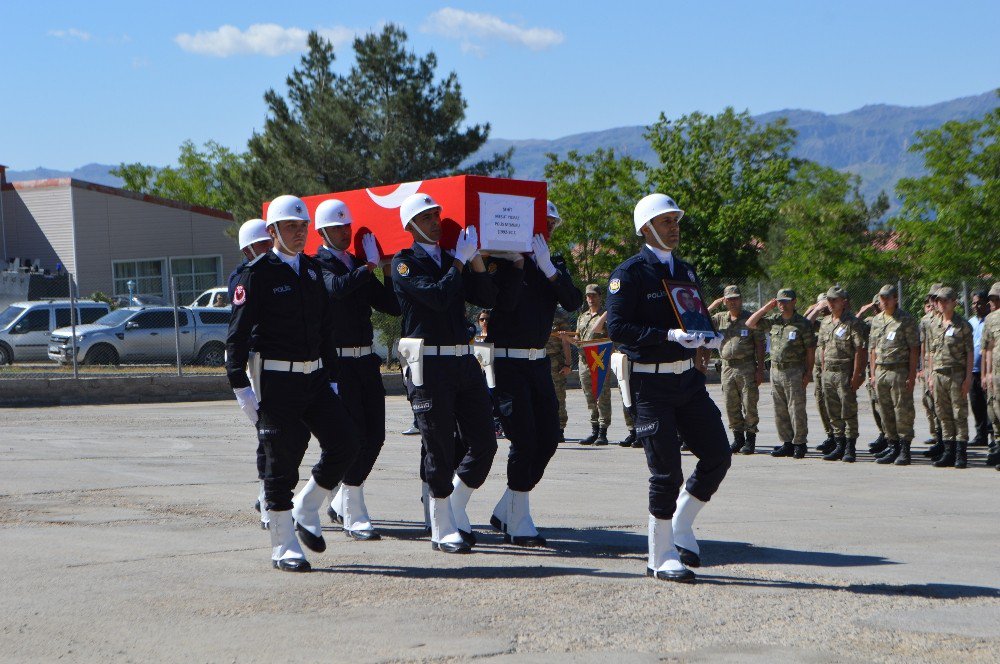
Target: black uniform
(525,396)
(354,293)
(284,316)
(432,300)
(639,315)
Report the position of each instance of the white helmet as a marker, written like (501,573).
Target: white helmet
(287,208)
(551,211)
(332,213)
(252,231)
(653,206)
(413,205)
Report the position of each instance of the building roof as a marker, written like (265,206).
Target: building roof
(115,191)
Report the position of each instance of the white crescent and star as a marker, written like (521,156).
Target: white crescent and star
(396,198)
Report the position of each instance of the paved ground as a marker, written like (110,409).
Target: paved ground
(129,536)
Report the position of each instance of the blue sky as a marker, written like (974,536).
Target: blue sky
(106,82)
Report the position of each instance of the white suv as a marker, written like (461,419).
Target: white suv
(25,327)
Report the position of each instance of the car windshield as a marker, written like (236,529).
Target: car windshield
(9,315)
(115,317)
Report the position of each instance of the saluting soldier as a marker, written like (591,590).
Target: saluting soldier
(355,291)
(880,442)
(793,351)
(930,320)
(951,378)
(841,349)
(282,313)
(444,380)
(667,390)
(991,368)
(560,355)
(589,326)
(742,355)
(893,357)
(817,314)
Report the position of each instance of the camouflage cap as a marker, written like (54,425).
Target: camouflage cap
(934,289)
(593,288)
(946,293)
(821,298)
(875,300)
(887,291)
(836,293)
(561,320)
(995,290)
(786,294)
(731,291)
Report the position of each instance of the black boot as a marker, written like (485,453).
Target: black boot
(739,440)
(878,444)
(947,459)
(828,445)
(886,452)
(934,450)
(961,454)
(837,453)
(993,459)
(589,440)
(891,456)
(602,436)
(562,436)
(784,450)
(751,444)
(904,454)
(629,439)
(851,453)
(800,451)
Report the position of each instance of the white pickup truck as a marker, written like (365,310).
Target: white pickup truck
(146,334)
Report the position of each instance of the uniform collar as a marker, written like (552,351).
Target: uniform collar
(652,256)
(290,261)
(345,257)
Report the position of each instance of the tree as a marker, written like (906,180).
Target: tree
(730,175)
(948,222)
(595,194)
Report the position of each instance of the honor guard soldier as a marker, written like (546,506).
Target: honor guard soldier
(282,327)
(841,351)
(666,390)
(742,356)
(354,291)
(951,378)
(528,291)
(893,356)
(444,381)
(793,351)
(254,241)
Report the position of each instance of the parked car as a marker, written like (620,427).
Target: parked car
(120,301)
(25,327)
(146,334)
(213,297)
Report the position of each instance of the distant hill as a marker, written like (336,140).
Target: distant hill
(871,141)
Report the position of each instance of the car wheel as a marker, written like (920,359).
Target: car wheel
(6,357)
(101,354)
(212,355)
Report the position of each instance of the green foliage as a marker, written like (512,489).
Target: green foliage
(595,194)
(948,225)
(730,175)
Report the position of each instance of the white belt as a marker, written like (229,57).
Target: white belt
(520,353)
(355,351)
(294,367)
(458,350)
(663,367)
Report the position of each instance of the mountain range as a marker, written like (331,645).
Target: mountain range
(871,141)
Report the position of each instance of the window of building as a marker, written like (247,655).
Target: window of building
(148,276)
(194,274)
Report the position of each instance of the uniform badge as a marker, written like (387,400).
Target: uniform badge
(614,285)
(239,295)
(312,274)
(403,269)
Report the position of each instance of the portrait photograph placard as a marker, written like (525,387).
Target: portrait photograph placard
(690,307)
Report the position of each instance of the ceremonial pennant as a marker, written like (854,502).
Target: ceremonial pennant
(598,358)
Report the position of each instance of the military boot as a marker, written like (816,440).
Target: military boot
(589,440)
(947,459)
(784,450)
(935,450)
(602,436)
(894,446)
(886,452)
(851,453)
(993,459)
(828,445)
(751,443)
(629,439)
(739,440)
(800,451)
(904,454)
(961,454)
(837,453)
(878,444)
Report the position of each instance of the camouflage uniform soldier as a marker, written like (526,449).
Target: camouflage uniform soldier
(793,348)
(991,368)
(894,352)
(928,322)
(951,364)
(560,364)
(841,351)
(817,314)
(881,442)
(742,355)
(590,325)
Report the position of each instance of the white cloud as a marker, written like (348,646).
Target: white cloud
(469,26)
(70,33)
(259,39)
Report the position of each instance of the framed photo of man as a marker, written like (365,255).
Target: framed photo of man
(689,307)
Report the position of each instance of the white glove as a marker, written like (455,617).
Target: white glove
(685,339)
(335,388)
(248,402)
(543,258)
(467,245)
(371,248)
(715,343)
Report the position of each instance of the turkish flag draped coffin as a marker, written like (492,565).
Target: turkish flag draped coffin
(506,213)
